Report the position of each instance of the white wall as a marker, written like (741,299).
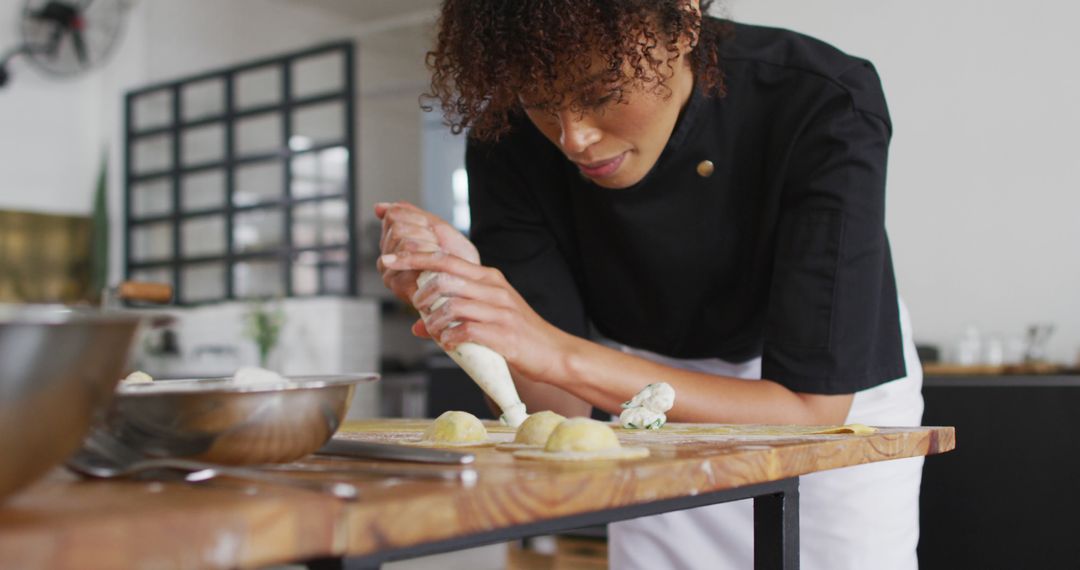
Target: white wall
(392,78)
(191,36)
(50,140)
(984,180)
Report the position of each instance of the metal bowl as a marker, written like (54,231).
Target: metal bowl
(58,366)
(220,421)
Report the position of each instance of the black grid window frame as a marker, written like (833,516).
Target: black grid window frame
(286,254)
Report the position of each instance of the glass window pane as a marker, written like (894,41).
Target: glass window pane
(203,99)
(260,134)
(203,190)
(320,173)
(318,74)
(150,154)
(203,144)
(153,198)
(202,282)
(258,279)
(152,242)
(152,110)
(203,236)
(320,223)
(319,124)
(334,278)
(258,230)
(258,87)
(320,273)
(257,183)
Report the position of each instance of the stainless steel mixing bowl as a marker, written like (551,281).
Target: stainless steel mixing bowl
(58,366)
(221,421)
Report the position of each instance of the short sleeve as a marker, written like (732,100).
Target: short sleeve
(513,232)
(832,323)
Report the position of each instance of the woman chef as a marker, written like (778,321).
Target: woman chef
(659,195)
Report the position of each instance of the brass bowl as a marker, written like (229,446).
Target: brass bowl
(219,421)
(58,367)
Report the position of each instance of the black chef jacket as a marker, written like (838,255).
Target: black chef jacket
(780,253)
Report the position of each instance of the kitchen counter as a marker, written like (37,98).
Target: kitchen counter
(1002,380)
(1006,497)
(65,523)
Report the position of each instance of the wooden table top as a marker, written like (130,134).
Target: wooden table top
(62,522)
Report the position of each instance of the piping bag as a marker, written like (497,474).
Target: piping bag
(485,366)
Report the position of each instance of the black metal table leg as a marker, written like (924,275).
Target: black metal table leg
(776,529)
(326,564)
(341,564)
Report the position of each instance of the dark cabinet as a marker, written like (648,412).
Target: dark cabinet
(1009,495)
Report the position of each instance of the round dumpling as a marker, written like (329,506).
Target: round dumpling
(582,434)
(138,377)
(253,375)
(536,428)
(456,428)
(582,439)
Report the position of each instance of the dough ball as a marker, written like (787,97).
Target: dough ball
(138,377)
(582,434)
(536,428)
(253,375)
(456,427)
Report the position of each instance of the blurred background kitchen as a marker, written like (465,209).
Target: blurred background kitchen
(234,150)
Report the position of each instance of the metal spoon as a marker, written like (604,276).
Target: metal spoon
(102,457)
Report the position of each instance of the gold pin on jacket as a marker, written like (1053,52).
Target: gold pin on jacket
(705,168)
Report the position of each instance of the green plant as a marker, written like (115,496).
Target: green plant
(263,325)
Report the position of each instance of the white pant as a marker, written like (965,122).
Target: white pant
(854,518)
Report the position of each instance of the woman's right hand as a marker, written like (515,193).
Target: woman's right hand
(407,228)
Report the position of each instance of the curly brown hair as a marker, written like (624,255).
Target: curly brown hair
(561,54)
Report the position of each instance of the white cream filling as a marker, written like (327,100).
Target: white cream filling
(646,410)
(642,418)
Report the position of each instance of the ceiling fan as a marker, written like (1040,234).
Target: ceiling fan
(66,38)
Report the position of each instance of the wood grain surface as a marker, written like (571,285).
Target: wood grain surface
(65,523)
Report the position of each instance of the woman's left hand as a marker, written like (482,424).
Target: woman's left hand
(487,309)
